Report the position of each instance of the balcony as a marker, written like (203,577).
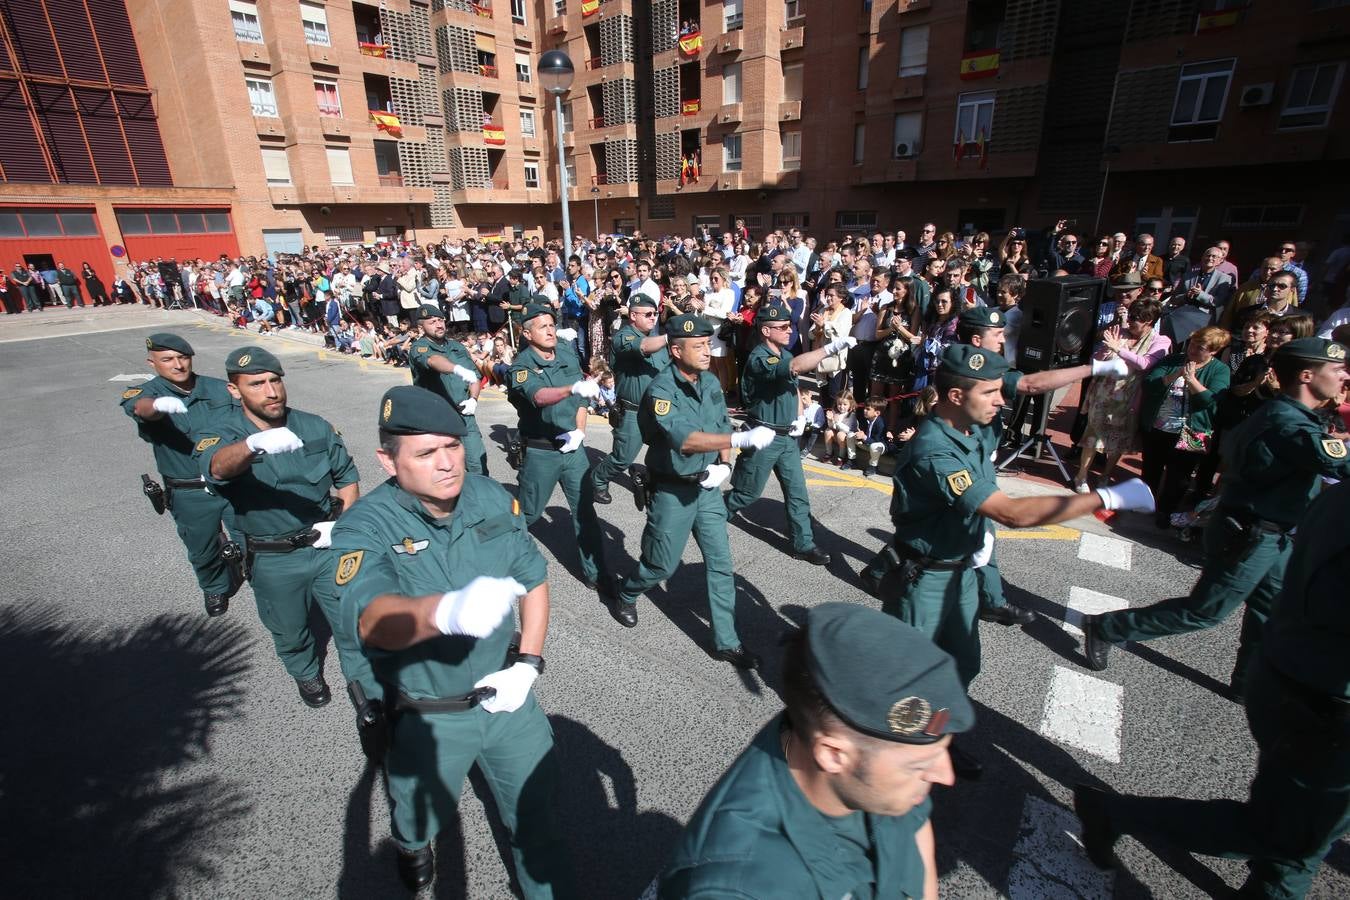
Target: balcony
(790,111)
(334,125)
(392,180)
(730,112)
(907,87)
(792,37)
(254,53)
(487,71)
(593,62)
(596,123)
(557,25)
(323,54)
(732,42)
(372,49)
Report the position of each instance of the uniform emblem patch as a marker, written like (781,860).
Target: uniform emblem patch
(976,362)
(995,318)
(515,507)
(128,394)
(909,716)
(521,376)
(423,349)
(661,407)
(206,443)
(410,547)
(388,410)
(1336,351)
(149,344)
(1334,447)
(959,482)
(689,326)
(773,360)
(244,360)
(348,565)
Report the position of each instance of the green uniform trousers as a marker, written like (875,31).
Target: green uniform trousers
(627,446)
(944,604)
(1225,583)
(285,586)
(475,453)
(990,581)
(784,459)
(673,512)
(429,757)
(541,470)
(197,516)
(1299,803)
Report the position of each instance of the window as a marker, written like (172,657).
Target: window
(913,51)
(713,223)
(907,138)
(560,7)
(260,96)
(527,123)
(315,19)
(523,67)
(1285,215)
(792,82)
(17,223)
(244,14)
(1167,222)
(974,116)
(1202,92)
(340,166)
(386,164)
(275,165)
(731,153)
(169,221)
(733,15)
(859,141)
(326,93)
(792,220)
(342,234)
(792,150)
(856,220)
(567,119)
(518,12)
(864,60)
(754,223)
(792,9)
(532,175)
(731,83)
(1312,91)
(570,167)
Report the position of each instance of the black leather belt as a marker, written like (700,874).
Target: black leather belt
(928,562)
(670,479)
(541,444)
(627,406)
(1253,521)
(776,429)
(403,703)
(300,539)
(184,484)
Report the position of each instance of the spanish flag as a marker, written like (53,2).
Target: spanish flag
(589,7)
(691,107)
(1216,20)
(980,64)
(493,134)
(387,122)
(691,43)
(484,11)
(380,50)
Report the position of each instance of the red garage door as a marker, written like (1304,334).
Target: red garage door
(47,236)
(179,233)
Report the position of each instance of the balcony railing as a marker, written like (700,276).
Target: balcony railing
(329,109)
(487,71)
(264,109)
(393,179)
(597,122)
(373,48)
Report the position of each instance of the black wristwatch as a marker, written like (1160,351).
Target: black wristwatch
(531,659)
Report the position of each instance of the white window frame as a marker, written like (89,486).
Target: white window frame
(247,24)
(915,62)
(790,144)
(730,162)
(314,19)
(733,15)
(859,143)
(1202,73)
(864,66)
(261,97)
(339,162)
(1305,108)
(276,166)
(972,108)
(531,167)
(559,7)
(518,11)
(732,90)
(528,123)
(898,136)
(792,11)
(337,93)
(523,72)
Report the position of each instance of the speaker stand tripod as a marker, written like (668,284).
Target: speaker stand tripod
(1040,413)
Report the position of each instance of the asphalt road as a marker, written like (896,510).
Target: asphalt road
(148,751)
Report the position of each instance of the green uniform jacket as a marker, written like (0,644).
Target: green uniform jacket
(757,836)
(673,409)
(172,436)
(529,373)
(389,544)
(941,478)
(1200,407)
(1275,460)
(769,387)
(451,387)
(281,493)
(634,370)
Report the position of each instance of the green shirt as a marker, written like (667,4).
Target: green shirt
(1276,458)
(389,544)
(941,478)
(530,372)
(633,369)
(449,386)
(769,387)
(281,493)
(674,408)
(171,436)
(757,836)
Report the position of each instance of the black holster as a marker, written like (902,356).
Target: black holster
(372,725)
(878,567)
(641,484)
(515,449)
(1239,539)
(154,492)
(239,561)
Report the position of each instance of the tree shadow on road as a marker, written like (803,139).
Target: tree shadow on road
(101,724)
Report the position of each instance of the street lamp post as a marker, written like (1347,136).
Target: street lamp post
(595,195)
(555,73)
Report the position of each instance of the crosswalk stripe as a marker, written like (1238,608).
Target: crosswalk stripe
(1084,602)
(1048,858)
(1109,551)
(1084,712)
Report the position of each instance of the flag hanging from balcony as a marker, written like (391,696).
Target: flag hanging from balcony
(959,148)
(387,122)
(691,43)
(691,107)
(1216,20)
(979,64)
(493,134)
(483,10)
(589,7)
(369,49)
(983,146)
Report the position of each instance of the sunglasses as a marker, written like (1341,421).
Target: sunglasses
(1288,249)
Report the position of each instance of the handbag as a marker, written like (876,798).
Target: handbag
(1190,440)
(728,330)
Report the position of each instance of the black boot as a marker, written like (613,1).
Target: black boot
(416,868)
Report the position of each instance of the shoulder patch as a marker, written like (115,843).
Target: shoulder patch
(661,407)
(959,482)
(206,443)
(423,349)
(522,375)
(348,565)
(515,507)
(773,360)
(628,338)
(132,392)
(1333,447)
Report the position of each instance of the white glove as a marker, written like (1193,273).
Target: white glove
(469,406)
(758,437)
(171,405)
(798,427)
(512,685)
(274,440)
(477,608)
(717,473)
(843,343)
(468,375)
(587,388)
(1132,494)
(982,556)
(325,530)
(566,334)
(1113,366)
(571,440)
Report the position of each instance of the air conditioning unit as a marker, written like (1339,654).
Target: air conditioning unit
(1257,95)
(904,151)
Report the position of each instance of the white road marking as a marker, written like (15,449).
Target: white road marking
(1084,712)
(1108,551)
(1048,859)
(1083,602)
(134,377)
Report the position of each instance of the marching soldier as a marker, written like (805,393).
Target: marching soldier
(443,365)
(831,799)
(944,494)
(769,393)
(1274,462)
(278,468)
(429,565)
(636,357)
(684,422)
(549,391)
(167,409)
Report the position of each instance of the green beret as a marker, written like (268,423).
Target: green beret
(973,362)
(1314,350)
(689,325)
(541,299)
(408,409)
(165,340)
(428,311)
(251,361)
(982,317)
(772,311)
(641,300)
(883,677)
(539,309)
